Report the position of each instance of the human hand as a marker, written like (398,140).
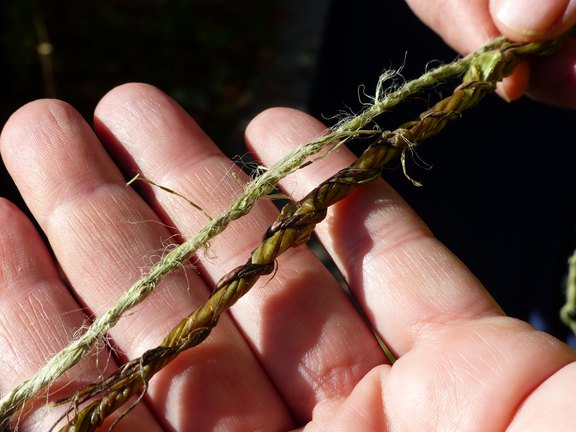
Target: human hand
(293,352)
(466,26)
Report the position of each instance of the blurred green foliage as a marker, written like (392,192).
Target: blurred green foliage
(204,53)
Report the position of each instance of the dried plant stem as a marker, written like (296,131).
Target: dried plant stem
(483,69)
(292,228)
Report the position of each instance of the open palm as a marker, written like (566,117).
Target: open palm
(294,352)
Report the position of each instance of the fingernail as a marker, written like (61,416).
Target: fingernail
(529,18)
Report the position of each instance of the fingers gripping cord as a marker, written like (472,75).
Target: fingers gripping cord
(482,70)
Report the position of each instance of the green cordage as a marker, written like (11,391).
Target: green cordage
(481,71)
(568,311)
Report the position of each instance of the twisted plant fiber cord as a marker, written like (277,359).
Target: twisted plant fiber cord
(293,228)
(256,189)
(568,311)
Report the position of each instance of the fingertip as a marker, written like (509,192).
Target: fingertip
(129,99)
(141,125)
(29,129)
(529,20)
(464,25)
(127,92)
(32,115)
(116,106)
(141,103)
(280,121)
(514,86)
(277,132)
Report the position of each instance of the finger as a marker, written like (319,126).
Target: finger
(461,367)
(447,331)
(37,317)
(467,26)
(529,20)
(404,278)
(514,86)
(79,198)
(551,80)
(300,324)
(223,372)
(550,405)
(105,236)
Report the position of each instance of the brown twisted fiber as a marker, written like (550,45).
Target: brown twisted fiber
(292,228)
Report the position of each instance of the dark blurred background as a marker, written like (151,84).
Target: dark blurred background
(500,191)
(215,57)
(223,61)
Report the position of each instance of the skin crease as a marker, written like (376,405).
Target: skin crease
(294,353)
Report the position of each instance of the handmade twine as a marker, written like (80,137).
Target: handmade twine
(568,311)
(483,69)
(292,228)
(256,189)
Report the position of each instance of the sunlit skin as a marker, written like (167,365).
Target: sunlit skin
(293,353)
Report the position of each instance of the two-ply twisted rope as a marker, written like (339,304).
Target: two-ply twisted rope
(261,186)
(294,227)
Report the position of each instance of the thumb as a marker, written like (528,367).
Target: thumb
(528,20)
